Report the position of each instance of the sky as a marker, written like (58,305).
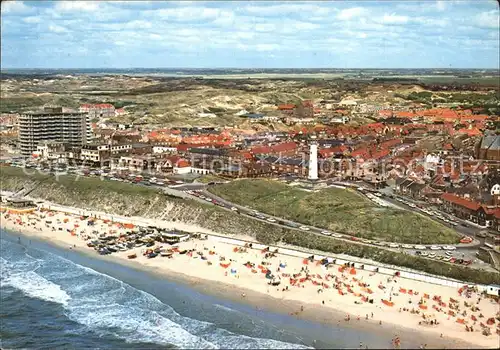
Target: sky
(250,34)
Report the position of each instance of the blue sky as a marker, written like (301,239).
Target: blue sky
(259,34)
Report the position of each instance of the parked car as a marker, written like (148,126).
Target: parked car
(304,228)
(435,247)
(326,233)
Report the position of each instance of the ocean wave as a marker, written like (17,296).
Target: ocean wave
(109,306)
(36,286)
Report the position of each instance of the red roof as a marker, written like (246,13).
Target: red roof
(380,154)
(286,107)
(360,152)
(405,114)
(390,143)
(466,203)
(326,152)
(470,132)
(283,147)
(246,155)
(182,163)
(261,150)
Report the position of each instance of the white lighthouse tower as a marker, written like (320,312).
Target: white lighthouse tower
(313,161)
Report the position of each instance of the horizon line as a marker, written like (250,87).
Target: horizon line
(245,68)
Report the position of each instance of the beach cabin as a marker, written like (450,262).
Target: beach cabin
(19,205)
(174,238)
(493,291)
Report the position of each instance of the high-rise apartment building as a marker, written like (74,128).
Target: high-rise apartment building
(52,124)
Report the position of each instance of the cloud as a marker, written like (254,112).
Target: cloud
(267,47)
(32,19)
(441,5)
(488,19)
(239,34)
(14,7)
(351,13)
(394,19)
(72,6)
(308,9)
(54,28)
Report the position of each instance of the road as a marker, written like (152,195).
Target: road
(180,190)
(466,252)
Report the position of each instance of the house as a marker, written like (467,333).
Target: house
(283,165)
(489,148)
(464,208)
(137,162)
(181,167)
(251,170)
(101,110)
(158,149)
(414,190)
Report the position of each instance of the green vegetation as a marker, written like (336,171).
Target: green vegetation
(336,209)
(482,81)
(209,178)
(127,199)
(422,96)
(18,103)
(121,104)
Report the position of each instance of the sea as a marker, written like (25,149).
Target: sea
(58,298)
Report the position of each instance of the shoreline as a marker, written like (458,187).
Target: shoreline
(263,302)
(320,314)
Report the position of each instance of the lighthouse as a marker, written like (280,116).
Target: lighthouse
(313,161)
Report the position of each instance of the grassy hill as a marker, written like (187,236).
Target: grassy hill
(336,209)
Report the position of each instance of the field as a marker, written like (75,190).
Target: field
(336,209)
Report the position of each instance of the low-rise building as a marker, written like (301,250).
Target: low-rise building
(101,110)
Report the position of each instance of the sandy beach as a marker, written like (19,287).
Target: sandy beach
(442,316)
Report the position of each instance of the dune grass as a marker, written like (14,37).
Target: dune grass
(339,210)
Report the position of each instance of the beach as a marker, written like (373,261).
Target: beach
(303,288)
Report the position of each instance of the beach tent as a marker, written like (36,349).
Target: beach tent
(353,271)
(225,265)
(402,290)
(460,320)
(423,307)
